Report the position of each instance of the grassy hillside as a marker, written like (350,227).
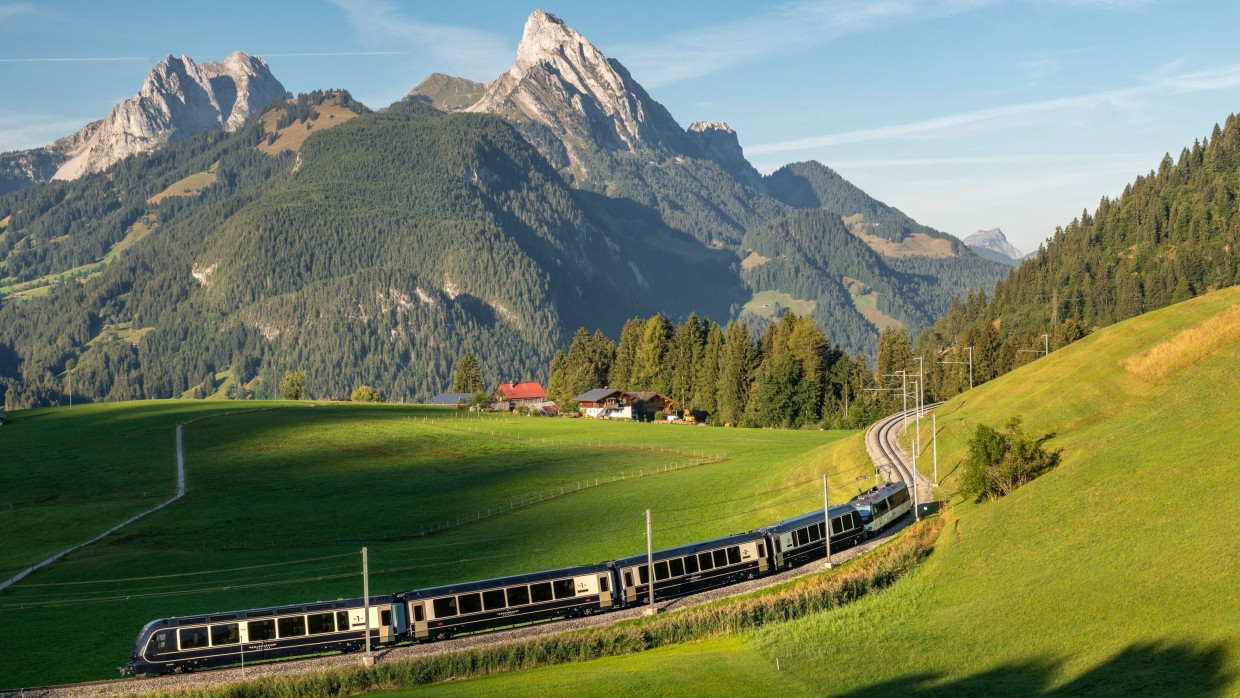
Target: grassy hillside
(299,490)
(1114,574)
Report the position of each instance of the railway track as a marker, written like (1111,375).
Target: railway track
(881,444)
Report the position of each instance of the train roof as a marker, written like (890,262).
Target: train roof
(497,582)
(225,616)
(691,548)
(883,491)
(804,520)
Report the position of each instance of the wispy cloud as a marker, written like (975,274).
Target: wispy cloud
(1221,77)
(76,59)
(781,29)
(10,10)
(320,54)
(380,23)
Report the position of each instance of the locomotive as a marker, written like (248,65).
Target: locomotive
(168,645)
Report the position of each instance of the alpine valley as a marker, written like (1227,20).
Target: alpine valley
(212,233)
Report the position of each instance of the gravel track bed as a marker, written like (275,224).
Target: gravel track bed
(883,448)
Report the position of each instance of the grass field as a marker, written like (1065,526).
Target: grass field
(1114,574)
(309,486)
(189,186)
(767,304)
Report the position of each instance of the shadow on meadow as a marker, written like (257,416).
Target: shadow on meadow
(1147,668)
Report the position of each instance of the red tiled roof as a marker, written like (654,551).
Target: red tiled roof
(521,391)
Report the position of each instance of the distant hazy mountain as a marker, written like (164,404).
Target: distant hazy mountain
(993,245)
(178,99)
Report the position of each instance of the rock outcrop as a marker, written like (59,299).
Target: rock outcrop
(179,99)
(715,140)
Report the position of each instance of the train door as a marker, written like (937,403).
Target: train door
(417,621)
(632,582)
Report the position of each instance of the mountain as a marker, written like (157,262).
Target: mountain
(376,247)
(447,93)
(178,99)
(993,245)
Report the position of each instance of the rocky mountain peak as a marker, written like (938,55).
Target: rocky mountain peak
(564,82)
(715,140)
(179,98)
(994,245)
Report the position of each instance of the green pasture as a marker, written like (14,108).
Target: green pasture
(1114,574)
(292,494)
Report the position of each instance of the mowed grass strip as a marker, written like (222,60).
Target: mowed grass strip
(300,485)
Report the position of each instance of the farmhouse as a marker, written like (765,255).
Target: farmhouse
(508,396)
(607,403)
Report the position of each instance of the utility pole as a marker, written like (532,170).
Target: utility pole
(916,509)
(1046,345)
(650,565)
(916,441)
(826,524)
(368,660)
(934,436)
(970,362)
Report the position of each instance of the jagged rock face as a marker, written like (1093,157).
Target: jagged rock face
(179,99)
(717,141)
(994,245)
(563,82)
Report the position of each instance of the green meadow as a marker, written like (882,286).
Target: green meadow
(1114,574)
(281,499)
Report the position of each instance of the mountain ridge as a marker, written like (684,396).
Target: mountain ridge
(993,244)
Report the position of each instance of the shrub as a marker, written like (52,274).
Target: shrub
(999,462)
(293,385)
(365,393)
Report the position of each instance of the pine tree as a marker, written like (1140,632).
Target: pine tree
(626,355)
(736,373)
(649,372)
(468,377)
(706,382)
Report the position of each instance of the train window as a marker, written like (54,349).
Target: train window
(193,638)
(604,585)
(160,641)
(818,530)
(385,617)
(227,634)
(261,630)
(418,615)
(802,536)
(540,592)
(518,596)
(704,561)
(879,508)
(691,565)
(734,555)
(628,579)
(291,626)
(469,603)
(721,558)
(677,567)
(564,588)
(643,574)
(761,550)
(493,599)
(660,570)
(320,623)
(342,620)
(445,607)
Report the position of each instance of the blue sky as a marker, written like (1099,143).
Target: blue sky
(966,114)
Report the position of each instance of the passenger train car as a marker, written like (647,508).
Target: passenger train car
(880,506)
(798,540)
(441,612)
(185,644)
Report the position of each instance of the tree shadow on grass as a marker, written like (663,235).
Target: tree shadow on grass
(1145,669)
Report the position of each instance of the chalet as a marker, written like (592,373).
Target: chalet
(651,401)
(604,403)
(508,396)
(607,403)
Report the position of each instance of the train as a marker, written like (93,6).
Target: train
(183,644)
